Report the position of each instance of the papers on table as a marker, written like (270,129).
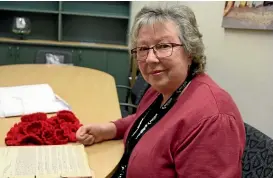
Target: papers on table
(26,99)
(44,161)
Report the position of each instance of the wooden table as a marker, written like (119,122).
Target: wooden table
(91,94)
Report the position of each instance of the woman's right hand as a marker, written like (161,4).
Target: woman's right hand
(95,133)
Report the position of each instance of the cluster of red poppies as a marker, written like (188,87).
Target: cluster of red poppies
(38,129)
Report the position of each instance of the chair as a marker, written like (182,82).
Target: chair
(258,154)
(134,95)
(53,57)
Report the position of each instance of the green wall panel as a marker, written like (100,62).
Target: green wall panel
(93,58)
(6,54)
(119,65)
(25,54)
(119,68)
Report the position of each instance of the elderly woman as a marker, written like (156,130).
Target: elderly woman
(185,125)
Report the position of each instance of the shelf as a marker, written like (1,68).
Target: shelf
(41,6)
(29,10)
(95,15)
(94,32)
(110,9)
(43,26)
(94,29)
(86,24)
(63,43)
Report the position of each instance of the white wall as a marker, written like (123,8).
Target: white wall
(241,61)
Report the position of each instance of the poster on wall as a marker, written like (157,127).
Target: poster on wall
(248,15)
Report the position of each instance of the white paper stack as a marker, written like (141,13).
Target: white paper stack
(27,99)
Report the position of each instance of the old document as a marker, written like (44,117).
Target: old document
(44,161)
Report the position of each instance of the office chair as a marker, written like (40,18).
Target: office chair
(134,95)
(258,154)
(53,57)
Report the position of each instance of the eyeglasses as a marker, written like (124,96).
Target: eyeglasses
(160,50)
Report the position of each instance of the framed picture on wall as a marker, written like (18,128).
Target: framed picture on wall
(248,15)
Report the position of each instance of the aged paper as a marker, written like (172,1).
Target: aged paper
(44,161)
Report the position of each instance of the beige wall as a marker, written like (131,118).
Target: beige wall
(241,61)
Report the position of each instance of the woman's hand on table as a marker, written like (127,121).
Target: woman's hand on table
(95,133)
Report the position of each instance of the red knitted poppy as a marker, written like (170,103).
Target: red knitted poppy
(37,129)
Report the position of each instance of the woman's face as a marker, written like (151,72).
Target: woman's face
(165,74)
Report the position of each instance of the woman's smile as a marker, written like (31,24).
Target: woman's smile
(157,72)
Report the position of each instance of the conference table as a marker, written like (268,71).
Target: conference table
(91,94)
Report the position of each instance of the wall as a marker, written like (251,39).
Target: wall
(240,61)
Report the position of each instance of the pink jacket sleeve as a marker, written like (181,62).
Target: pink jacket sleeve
(122,125)
(213,149)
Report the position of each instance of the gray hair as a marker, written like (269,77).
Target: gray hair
(184,17)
